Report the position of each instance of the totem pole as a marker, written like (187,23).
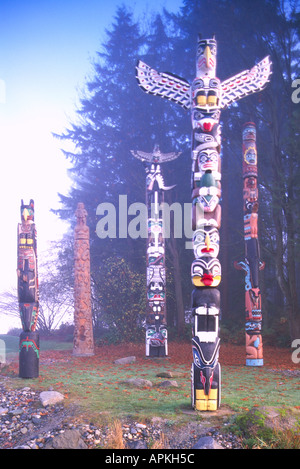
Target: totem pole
(156,315)
(252,264)
(28,293)
(205,97)
(83,344)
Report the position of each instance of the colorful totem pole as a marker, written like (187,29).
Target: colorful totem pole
(205,97)
(252,264)
(83,344)
(156,314)
(28,293)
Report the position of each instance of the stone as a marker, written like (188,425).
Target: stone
(125,360)
(138,444)
(138,382)
(17,411)
(207,442)
(50,397)
(3,411)
(70,439)
(168,383)
(170,374)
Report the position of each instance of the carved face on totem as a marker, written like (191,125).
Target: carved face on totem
(208,195)
(27,212)
(206,57)
(250,194)
(249,132)
(250,155)
(206,272)
(206,241)
(156,283)
(208,160)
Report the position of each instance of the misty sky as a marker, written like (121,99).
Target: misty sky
(46,50)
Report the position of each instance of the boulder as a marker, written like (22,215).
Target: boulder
(138,382)
(207,442)
(125,360)
(50,397)
(168,384)
(70,439)
(171,374)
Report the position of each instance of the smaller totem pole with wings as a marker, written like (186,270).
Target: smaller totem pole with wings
(156,313)
(205,97)
(28,293)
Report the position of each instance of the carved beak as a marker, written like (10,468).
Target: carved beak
(25,214)
(207,55)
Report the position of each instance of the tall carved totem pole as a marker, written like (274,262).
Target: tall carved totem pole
(252,263)
(28,293)
(205,97)
(83,344)
(156,314)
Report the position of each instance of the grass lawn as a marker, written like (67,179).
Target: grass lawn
(97,385)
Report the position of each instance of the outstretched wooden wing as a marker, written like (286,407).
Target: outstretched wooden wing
(163,84)
(154,157)
(245,83)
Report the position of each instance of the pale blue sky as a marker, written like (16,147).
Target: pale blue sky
(46,50)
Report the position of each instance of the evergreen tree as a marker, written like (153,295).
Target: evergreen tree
(116,117)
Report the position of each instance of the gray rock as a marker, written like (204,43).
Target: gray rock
(168,383)
(139,444)
(50,397)
(170,374)
(207,442)
(17,411)
(125,360)
(138,382)
(70,439)
(3,411)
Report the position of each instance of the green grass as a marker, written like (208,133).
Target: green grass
(246,387)
(97,385)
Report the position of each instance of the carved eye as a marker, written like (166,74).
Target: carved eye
(203,157)
(216,269)
(199,236)
(197,115)
(214,237)
(197,360)
(200,49)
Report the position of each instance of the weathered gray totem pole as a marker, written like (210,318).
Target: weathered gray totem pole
(156,314)
(83,344)
(28,293)
(205,97)
(252,263)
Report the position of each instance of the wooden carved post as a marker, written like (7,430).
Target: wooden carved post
(205,97)
(252,264)
(83,344)
(156,314)
(28,293)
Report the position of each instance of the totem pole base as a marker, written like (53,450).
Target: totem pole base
(254,362)
(205,399)
(156,352)
(156,342)
(81,349)
(29,354)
